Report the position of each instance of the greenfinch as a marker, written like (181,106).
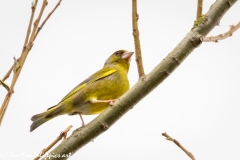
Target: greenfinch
(94,94)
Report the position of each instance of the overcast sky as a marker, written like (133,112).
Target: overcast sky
(198,104)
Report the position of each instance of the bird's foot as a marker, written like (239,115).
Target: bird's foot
(110,101)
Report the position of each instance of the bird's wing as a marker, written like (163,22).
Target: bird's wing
(105,72)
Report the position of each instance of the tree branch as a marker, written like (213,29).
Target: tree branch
(145,85)
(48,16)
(63,134)
(137,45)
(15,76)
(199,9)
(36,23)
(225,35)
(28,43)
(179,145)
(34,6)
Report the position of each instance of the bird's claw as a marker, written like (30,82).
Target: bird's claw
(111,102)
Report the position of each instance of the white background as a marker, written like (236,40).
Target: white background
(198,104)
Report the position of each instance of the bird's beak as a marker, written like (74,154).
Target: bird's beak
(127,55)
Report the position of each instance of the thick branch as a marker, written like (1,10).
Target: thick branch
(145,85)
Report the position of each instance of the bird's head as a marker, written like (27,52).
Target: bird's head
(120,57)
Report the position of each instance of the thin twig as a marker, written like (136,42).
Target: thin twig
(225,35)
(36,23)
(199,8)
(8,73)
(63,135)
(26,49)
(34,6)
(15,76)
(48,16)
(179,145)
(137,45)
(21,63)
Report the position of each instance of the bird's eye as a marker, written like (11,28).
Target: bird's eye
(118,53)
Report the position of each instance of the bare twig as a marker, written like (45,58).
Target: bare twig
(8,73)
(44,4)
(48,16)
(16,74)
(179,145)
(227,34)
(34,6)
(138,53)
(28,43)
(63,135)
(199,8)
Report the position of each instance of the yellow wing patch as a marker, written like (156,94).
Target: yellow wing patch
(98,75)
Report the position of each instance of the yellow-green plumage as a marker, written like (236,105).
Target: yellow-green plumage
(93,95)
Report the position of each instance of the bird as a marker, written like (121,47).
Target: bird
(94,94)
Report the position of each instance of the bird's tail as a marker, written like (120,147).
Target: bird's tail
(41,118)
